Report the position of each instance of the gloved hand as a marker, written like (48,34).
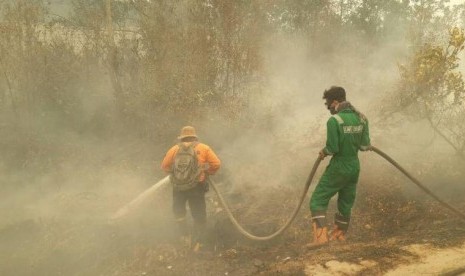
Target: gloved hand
(322,154)
(206,186)
(206,183)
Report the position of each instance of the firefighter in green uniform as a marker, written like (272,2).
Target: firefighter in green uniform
(347,133)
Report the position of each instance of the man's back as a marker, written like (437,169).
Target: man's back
(347,134)
(205,155)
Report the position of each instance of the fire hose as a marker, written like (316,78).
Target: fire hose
(304,193)
(288,222)
(418,183)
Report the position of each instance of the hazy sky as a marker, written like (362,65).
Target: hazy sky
(59,7)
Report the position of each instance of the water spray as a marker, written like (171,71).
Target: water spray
(139,199)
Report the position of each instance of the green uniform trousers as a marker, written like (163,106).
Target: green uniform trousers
(340,177)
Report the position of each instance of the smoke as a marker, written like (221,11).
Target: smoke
(60,184)
(289,116)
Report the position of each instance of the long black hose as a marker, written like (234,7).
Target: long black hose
(418,183)
(304,193)
(288,222)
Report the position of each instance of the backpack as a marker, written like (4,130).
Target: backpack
(186,169)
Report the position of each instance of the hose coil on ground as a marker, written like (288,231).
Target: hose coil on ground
(288,222)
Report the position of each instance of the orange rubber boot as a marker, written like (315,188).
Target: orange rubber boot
(320,237)
(337,234)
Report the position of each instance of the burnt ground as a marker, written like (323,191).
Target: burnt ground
(145,243)
(378,233)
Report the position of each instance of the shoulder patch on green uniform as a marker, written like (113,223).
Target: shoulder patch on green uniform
(338,119)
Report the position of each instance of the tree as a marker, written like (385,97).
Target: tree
(432,87)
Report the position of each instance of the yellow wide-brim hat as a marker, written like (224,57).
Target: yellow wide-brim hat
(187,131)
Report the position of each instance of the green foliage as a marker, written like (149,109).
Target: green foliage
(431,75)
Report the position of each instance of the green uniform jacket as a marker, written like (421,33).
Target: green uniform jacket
(347,133)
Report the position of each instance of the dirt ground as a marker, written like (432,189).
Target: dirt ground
(388,236)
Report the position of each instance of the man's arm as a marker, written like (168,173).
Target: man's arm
(366,143)
(168,160)
(213,161)
(332,137)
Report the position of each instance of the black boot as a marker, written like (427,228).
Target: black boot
(199,236)
(183,230)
